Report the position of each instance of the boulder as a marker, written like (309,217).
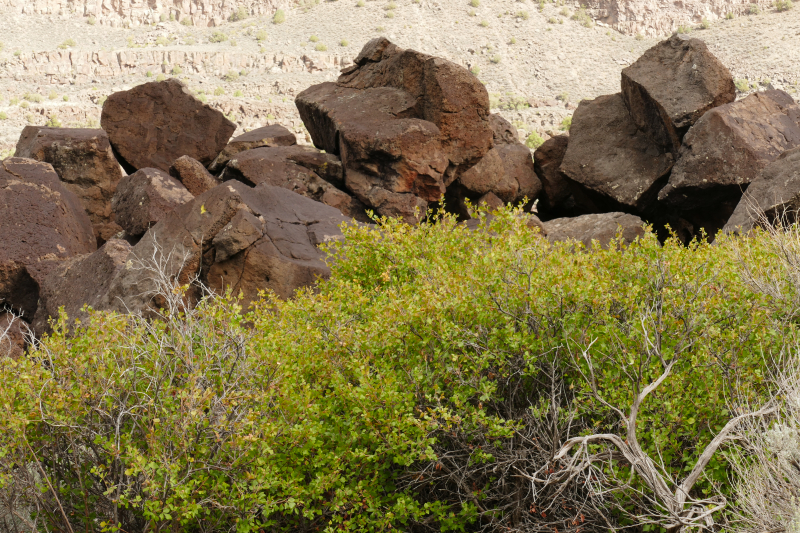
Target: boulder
(193,175)
(489,175)
(82,280)
(503,132)
(13,336)
(293,168)
(547,159)
(273,135)
(145,197)
(600,227)
(672,85)
(610,163)
(84,162)
(518,166)
(42,223)
(155,123)
(774,196)
(724,151)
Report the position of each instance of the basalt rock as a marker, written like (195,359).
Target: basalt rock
(611,164)
(503,132)
(42,223)
(556,195)
(145,197)
(193,175)
(273,135)
(13,334)
(85,163)
(600,227)
(672,85)
(153,124)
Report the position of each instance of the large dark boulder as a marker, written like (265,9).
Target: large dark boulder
(556,195)
(612,165)
(145,197)
(193,175)
(85,163)
(503,132)
(774,196)
(42,223)
(154,124)
(672,85)
(724,151)
(600,227)
(272,135)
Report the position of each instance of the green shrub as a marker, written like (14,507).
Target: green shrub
(534,141)
(162,41)
(238,94)
(232,75)
(683,29)
(475,3)
(32,97)
(639,37)
(705,24)
(753,9)
(344,42)
(495,59)
(53,122)
(219,91)
(484,24)
(3,115)
(390,14)
(187,21)
(390,6)
(320,47)
(513,40)
(360,3)
(313,39)
(261,35)
(91,21)
(783,5)
(17,53)
(566,124)
(217,37)
(176,70)
(472,13)
(66,98)
(161,77)
(280,17)
(241,13)
(162,17)
(475,70)
(742,85)
(582,16)
(24,104)
(69,43)
(729,15)
(524,15)
(52,96)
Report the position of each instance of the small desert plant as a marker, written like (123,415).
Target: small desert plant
(176,70)
(279,18)
(534,141)
(313,39)
(202,98)
(683,29)
(162,17)
(753,9)
(523,15)
(639,37)
(217,37)
(484,24)
(13,101)
(91,21)
(69,43)
(513,40)
(52,96)
(729,15)
(240,14)
(495,59)
(219,91)
(172,16)
(552,20)
(564,12)
(390,6)
(563,96)
(783,5)
(148,74)
(65,98)
(344,42)
(186,21)
(190,40)
(17,53)
(238,94)
(390,14)
(32,97)
(566,124)
(162,41)
(475,70)
(321,48)
(541,6)
(582,16)
(161,77)
(232,75)
(475,3)
(380,28)
(233,42)
(742,85)
(705,24)
(53,122)
(102,100)
(3,115)
(360,3)
(261,35)
(472,13)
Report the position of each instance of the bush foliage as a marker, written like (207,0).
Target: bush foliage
(386,397)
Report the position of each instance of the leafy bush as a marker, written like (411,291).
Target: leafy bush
(360,3)
(53,122)
(241,13)
(219,91)
(217,37)
(3,115)
(389,14)
(66,98)
(187,21)
(783,5)
(566,124)
(232,75)
(484,24)
(344,42)
(683,29)
(435,366)
(91,21)
(742,85)
(524,15)
(52,96)
(69,43)
(313,39)
(753,9)
(238,94)
(475,3)
(321,48)
(176,70)
(161,77)
(583,17)
(534,141)
(261,35)
(729,15)
(279,18)
(705,24)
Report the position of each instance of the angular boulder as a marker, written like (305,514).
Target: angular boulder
(556,192)
(145,197)
(85,163)
(611,164)
(155,123)
(774,196)
(272,135)
(293,168)
(42,223)
(672,85)
(193,175)
(726,150)
(600,227)
(83,280)
(13,335)
(518,166)
(503,132)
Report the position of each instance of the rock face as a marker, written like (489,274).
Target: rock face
(602,227)
(672,85)
(773,195)
(42,223)
(273,135)
(728,147)
(193,175)
(405,125)
(503,132)
(293,168)
(145,197)
(81,280)
(12,336)
(612,164)
(547,159)
(154,124)
(84,162)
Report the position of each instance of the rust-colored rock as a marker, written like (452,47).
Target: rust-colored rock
(193,175)
(13,335)
(272,135)
(145,197)
(42,223)
(612,164)
(556,192)
(672,85)
(600,227)
(293,168)
(729,146)
(85,163)
(503,132)
(155,123)
(518,166)
(489,175)
(82,280)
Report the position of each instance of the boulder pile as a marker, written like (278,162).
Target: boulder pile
(162,194)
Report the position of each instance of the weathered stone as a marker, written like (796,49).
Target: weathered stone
(491,201)
(518,166)
(85,163)
(273,135)
(193,175)
(145,197)
(82,280)
(292,167)
(773,196)
(728,147)
(489,175)
(13,333)
(153,124)
(42,223)
(503,132)
(601,227)
(611,163)
(243,230)
(547,161)
(672,85)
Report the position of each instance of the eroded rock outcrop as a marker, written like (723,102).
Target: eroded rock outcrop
(155,123)
(145,197)
(85,163)
(272,135)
